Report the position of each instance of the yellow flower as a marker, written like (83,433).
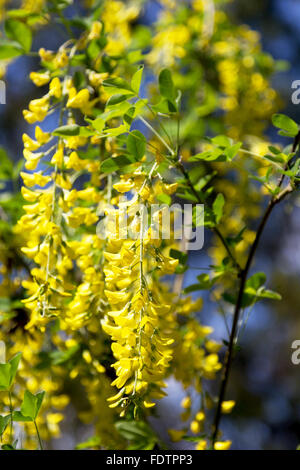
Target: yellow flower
(123,186)
(170,188)
(55,88)
(40,79)
(201,445)
(29,143)
(63,181)
(38,110)
(200,416)
(33,179)
(39,105)
(117,296)
(225,445)
(58,157)
(95,30)
(87,356)
(186,403)
(195,427)
(227,406)
(88,194)
(96,79)
(75,141)
(148,404)
(75,162)
(41,137)
(29,116)
(30,196)
(176,435)
(99,367)
(61,59)
(212,346)
(32,159)
(78,100)
(46,56)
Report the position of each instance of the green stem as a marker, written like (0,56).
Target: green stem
(38,435)
(157,134)
(11,416)
(214,229)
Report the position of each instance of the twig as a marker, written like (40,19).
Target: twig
(214,229)
(243,279)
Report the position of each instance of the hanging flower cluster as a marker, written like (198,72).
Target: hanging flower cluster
(98,305)
(141,320)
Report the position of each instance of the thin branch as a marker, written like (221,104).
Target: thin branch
(243,279)
(214,229)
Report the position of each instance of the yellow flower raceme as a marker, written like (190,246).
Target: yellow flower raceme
(137,321)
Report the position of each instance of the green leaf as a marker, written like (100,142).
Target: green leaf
(176,254)
(19,417)
(247,300)
(192,288)
(8,372)
(20,32)
(93,50)
(136,144)
(8,447)
(256,281)
(276,159)
(166,85)
(109,165)
(6,165)
(93,441)
(209,155)
(205,283)
(62,357)
(4,376)
(222,141)
(136,80)
(115,163)
(218,207)
(31,404)
(117,131)
(28,407)
(4,420)
(135,430)
(8,50)
(182,258)
(232,241)
(66,131)
(165,106)
(254,290)
(116,99)
(198,215)
(164,198)
(129,116)
(117,85)
(274,150)
(286,124)
(97,124)
(232,151)
(269,294)
(14,364)
(116,111)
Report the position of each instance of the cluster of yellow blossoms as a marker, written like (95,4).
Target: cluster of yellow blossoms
(141,321)
(87,287)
